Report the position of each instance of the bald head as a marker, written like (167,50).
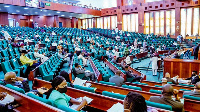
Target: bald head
(167,89)
(167,75)
(118,72)
(197,85)
(8,76)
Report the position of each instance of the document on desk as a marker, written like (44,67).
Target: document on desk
(89,100)
(79,81)
(118,107)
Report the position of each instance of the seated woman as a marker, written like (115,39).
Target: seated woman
(58,94)
(134,102)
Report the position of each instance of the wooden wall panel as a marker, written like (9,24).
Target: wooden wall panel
(176,68)
(167,68)
(4,18)
(49,21)
(195,67)
(8,1)
(185,70)
(68,23)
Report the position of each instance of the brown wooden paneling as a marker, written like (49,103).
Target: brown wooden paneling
(176,69)
(185,70)
(167,68)
(195,67)
(4,18)
(23,23)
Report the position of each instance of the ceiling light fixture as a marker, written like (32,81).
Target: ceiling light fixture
(6,6)
(49,14)
(62,15)
(17,11)
(26,8)
(13,13)
(58,12)
(25,14)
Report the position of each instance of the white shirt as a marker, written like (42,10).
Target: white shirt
(47,40)
(158,49)
(54,44)
(128,60)
(116,54)
(26,40)
(116,30)
(61,41)
(77,49)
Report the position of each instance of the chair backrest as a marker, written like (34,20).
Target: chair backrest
(15,88)
(159,105)
(6,66)
(66,109)
(85,88)
(108,83)
(40,99)
(113,95)
(155,91)
(132,87)
(191,97)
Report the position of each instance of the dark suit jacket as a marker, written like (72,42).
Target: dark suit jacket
(24,85)
(196,50)
(194,79)
(176,105)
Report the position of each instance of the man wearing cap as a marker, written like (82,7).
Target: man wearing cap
(167,76)
(195,93)
(119,81)
(25,60)
(166,98)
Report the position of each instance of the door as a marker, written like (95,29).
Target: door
(60,24)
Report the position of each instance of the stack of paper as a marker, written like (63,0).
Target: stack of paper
(89,100)
(118,107)
(79,81)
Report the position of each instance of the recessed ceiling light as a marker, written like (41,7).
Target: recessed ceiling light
(25,14)
(26,8)
(45,10)
(58,12)
(0,8)
(41,10)
(62,15)
(13,13)
(17,11)
(6,6)
(49,14)
(36,12)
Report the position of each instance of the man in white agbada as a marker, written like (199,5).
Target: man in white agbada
(154,61)
(83,59)
(42,57)
(5,34)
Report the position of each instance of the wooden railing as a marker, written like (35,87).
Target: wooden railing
(137,72)
(27,103)
(96,71)
(141,55)
(114,68)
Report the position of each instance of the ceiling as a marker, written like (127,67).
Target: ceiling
(94,3)
(41,12)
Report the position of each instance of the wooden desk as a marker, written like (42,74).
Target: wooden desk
(137,72)
(181,67)
(152,83)
(147,88)
(96,71)
(192,37)
(191,105)
(122,58)
(27,103)
(99,101)
(141,55)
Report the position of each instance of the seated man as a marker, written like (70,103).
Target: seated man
(31,63)
(128,60)
(11,78)
(194,78)
(114,60)
(81,56)
(66,58)
(167,76)
(195,93)
(119,81)
(166,98)
(42,57)
(58,95)
(131,75)
(80,70)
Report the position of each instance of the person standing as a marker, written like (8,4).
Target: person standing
(195,51)
(154,61)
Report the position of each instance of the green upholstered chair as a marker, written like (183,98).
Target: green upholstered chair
(40,98)
(186,85)
(132,87)
(155,91)
(191,97)
(15,88)
(113,95)
(85,88)
(159,105)
(108,83)
(66,109)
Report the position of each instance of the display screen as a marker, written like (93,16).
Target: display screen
(32,3)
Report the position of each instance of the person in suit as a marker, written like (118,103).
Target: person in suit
(194,78)
(167,76)
(195,51)
(119,81)
(195,93)
(131,75)
(134,102)
(166,98)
